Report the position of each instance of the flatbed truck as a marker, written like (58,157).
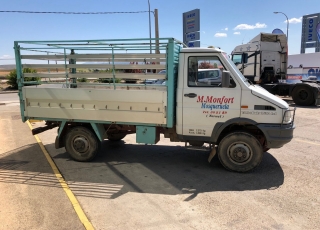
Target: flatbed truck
(238,119)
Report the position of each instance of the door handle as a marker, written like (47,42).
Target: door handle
(191,95)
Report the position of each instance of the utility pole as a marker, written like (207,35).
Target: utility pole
(156,32)
(149,26)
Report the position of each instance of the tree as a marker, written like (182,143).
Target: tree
(12,77)
(205,65)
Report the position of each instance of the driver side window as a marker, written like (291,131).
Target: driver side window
(205,71)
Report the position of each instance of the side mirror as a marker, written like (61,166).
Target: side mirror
(244,57)
(225,79)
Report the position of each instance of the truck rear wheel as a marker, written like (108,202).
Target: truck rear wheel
(302,95)
(81,143)
(116,136)
(240,152)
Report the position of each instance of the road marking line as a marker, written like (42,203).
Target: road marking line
(33,121)
(309,142)
(82,216)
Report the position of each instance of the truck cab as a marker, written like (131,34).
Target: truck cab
(232,105)
(263,59)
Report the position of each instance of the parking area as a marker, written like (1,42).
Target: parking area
(163,186)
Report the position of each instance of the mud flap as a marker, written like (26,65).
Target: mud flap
(58,143)
(212,154)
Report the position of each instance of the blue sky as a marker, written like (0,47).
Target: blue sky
(225,24)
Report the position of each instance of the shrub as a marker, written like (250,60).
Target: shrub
(108,80)
(82,80)
(12,77)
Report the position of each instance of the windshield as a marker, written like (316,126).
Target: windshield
(237,58)
(236,69)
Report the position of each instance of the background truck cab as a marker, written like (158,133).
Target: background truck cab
(264,61)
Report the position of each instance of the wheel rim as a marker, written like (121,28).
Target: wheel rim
(80,144)
(303,95)
(239,153)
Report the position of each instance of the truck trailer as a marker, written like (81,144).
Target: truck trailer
(239,120)
(303,67)
(264,61)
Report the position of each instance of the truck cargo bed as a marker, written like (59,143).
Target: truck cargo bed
(84,80)
(138,106)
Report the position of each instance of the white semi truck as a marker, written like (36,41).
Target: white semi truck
(243,120)
(264,61)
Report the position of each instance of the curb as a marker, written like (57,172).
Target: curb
(8,102)
(11,91)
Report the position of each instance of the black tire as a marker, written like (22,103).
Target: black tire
(81,143)
(240,143)
(196,143)
(302,95)
(116,136)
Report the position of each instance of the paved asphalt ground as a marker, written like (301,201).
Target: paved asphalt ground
(163,186)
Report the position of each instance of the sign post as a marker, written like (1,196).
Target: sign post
(191,28)
(310,36)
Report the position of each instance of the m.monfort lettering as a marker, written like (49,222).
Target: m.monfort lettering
(218,100)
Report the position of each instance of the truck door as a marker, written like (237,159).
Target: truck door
(204,101)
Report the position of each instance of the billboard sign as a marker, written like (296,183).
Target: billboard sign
(310,36)
(191,28)
(310,32)
(191,21)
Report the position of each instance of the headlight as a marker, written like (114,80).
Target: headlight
(288,116)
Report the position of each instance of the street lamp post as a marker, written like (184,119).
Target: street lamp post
(287,22)
(149,26)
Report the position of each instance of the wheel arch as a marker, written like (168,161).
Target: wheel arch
(64,126)
(221,129)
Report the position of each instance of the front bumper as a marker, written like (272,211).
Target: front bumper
(277,135)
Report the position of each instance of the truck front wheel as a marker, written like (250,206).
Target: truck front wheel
(302,95)
(240,152)
(81,143)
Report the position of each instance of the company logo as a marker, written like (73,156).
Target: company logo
(310,30)
(210,102)
(191,36)
(191,15)
(218,100)
(314,72)
(293,77)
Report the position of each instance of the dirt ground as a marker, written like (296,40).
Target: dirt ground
(4,86)
(4,73)
(3,83)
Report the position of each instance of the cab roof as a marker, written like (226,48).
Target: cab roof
(201,50)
